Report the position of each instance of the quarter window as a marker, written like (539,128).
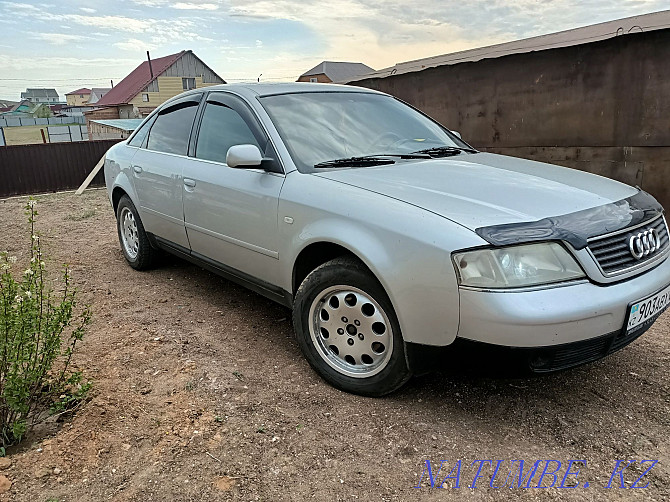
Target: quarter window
(172,128)
(141,134)
(221,128)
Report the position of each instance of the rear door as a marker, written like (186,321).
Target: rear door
(231,213)
(158,170)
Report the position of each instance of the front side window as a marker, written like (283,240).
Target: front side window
(321,126)
(221,128)
(172,128)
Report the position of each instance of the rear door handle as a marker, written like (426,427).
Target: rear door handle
(189,182)
(137,169)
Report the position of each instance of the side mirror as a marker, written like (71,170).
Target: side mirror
(456,133)
(244,156)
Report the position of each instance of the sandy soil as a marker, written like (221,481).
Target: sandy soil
(202,394)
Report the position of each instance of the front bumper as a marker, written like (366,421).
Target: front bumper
(464,356)
(554,316)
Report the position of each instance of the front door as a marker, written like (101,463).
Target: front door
(231,213)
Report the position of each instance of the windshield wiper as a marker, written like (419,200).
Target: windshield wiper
(368,160)
(412,155)
(440,151)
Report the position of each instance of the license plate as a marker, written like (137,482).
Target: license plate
(648,309)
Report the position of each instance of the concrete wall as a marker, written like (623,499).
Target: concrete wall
(602,107)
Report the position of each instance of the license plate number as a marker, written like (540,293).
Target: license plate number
(647,309)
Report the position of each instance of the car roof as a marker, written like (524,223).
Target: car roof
(252,89)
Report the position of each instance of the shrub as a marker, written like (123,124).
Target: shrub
(39,331)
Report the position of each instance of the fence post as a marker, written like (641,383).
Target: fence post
(44,139)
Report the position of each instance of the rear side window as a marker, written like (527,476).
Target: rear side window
(221,128)
(172,128)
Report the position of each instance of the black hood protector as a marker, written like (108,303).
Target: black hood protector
(577,227)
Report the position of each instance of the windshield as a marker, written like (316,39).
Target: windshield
(318,127)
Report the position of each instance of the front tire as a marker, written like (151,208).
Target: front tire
(133,239)
(348,331)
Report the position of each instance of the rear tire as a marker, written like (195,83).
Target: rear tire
(348,331)
(134,241)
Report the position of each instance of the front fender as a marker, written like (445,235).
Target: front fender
(405,247)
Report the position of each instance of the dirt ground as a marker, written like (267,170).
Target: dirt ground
(202,394)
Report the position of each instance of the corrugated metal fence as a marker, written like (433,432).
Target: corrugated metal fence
(29,169)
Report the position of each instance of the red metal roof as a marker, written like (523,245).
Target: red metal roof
(83,90)
(137,80)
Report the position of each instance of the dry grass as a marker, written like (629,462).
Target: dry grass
(26,135)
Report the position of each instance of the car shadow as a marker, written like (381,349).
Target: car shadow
(466,380)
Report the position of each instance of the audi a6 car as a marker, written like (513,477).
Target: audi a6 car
(392,240)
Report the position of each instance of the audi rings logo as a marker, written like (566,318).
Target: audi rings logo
(644,243)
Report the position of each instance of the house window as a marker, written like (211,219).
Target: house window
(313,79)
(37,100)
(188,83)
(145,97)
(81,95)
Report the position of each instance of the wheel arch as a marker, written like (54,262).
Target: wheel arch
(117,193)
(315,254)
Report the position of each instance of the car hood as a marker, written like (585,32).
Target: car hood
(483,189)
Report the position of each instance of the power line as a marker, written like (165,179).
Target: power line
(55,79)
(119,79)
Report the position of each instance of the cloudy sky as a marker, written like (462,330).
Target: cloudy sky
(68,44)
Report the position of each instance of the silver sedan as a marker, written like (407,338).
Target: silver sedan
(395,243)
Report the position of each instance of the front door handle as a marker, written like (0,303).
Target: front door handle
(189,182)
(137,169)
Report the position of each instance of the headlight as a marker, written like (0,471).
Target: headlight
(516,266)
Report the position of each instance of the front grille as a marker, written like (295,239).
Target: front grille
(612,252)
